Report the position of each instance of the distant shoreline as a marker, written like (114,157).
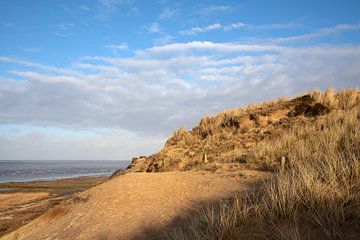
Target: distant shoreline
(41,170)
(42,179)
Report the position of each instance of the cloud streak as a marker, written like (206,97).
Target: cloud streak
(117,47)
(212,9)
(169,12)
(154,28)
(238,25)
(108,8)
(196,30)
(320,33)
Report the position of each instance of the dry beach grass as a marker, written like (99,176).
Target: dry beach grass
(317,196)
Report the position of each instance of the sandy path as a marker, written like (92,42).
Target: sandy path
(125,206)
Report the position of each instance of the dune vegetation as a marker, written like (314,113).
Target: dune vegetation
(315,196)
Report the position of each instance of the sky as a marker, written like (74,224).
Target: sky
(112,79)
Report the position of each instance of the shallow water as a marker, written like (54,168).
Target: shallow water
(22,171)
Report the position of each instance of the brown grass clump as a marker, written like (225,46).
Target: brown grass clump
(317,195)
(344,99)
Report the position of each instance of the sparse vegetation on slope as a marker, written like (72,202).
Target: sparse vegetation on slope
(227,140)
(317,195)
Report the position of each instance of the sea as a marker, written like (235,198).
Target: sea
(23,171)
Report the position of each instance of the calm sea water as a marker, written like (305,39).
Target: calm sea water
(20,171)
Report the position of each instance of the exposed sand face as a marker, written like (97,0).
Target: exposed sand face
(125,207)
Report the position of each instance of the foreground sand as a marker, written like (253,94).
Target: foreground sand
(133,206)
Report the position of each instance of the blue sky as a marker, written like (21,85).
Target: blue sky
(111,79)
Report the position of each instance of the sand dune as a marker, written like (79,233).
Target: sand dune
(130,206)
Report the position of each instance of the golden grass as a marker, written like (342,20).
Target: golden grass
(231,136)
(317,196)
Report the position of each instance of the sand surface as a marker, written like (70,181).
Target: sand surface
(133,205)
(14,199)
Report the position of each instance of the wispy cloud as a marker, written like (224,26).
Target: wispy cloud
(7,24)
(43,67)
(64,29)
(216,47)
(169,12)
(154,27)
(163,40)
(237,25)
(84,8)
(62,34)
(33,50)
(107,8)
(118,47)
(163,1)
(276,26)
(320,33)
(196,30)
(211,9)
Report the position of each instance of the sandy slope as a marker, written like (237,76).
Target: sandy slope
(125,207)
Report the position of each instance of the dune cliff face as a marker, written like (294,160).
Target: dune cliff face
(225,141)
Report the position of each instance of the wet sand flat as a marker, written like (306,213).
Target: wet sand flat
(21,202)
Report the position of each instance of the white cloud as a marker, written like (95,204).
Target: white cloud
(276,26)
(158,89)
(84,8)
(320,33)
(238,25)
(165,39)
(154,27)
(169,12)
(163,1)
(134,11)
(107,8)
(211,9)
(64,26)
(211,46)
(40,66)
(235,26)
(117,47)
(64,29)
(196,30)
